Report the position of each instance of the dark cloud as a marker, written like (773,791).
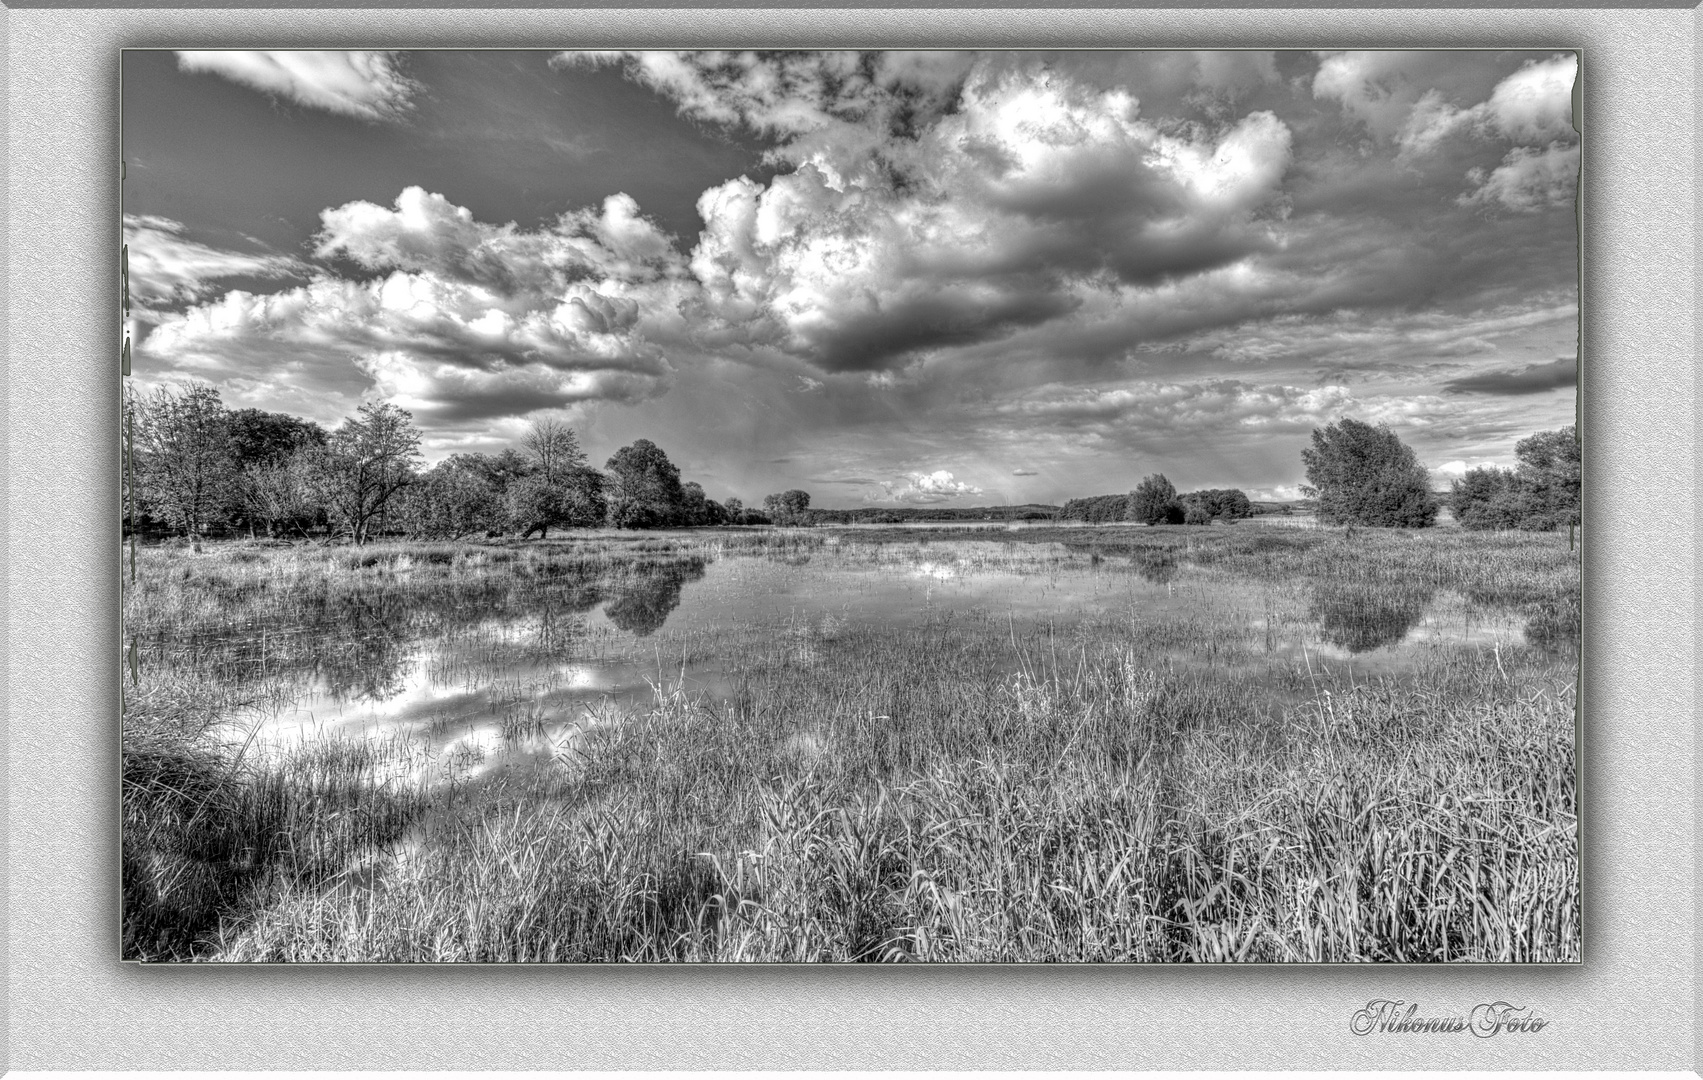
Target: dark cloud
(1531,379)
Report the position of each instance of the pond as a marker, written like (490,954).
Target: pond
(476,682)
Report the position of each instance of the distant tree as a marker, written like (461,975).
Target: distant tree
(734,508)
(1224,504)
(644,490)
(791,507)
(575,500)
(184,470)
(1365,475)
(1097,509)
(1154,502)
(365,462)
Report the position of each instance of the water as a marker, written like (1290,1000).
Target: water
(473,687)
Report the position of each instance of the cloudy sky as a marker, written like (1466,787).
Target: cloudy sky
(885,278)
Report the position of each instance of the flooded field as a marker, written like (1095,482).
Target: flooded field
(679,740)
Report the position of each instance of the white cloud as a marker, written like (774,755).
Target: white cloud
(362,84)
(1528,180)
(1454,470)
(1035,193)
(1535,104)
(166,268)
(424,231)
(925,488)
(450,350)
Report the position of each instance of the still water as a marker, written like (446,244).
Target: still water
(472,692)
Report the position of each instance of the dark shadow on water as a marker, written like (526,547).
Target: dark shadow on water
(644,605)
(1362,616)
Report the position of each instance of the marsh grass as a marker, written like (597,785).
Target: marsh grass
(965,788)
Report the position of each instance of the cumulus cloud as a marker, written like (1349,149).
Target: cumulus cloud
(924,488)
(459,320)
(447,350)
(1530,379)
(1033,193)
(166,267)
(363,84)
(423,231)
(1415,100)
(1528,180)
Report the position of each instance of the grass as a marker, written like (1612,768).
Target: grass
(1107,784)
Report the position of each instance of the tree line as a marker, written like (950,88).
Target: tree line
(1155,501)
(194,467)
(1365,475)
(1358,474)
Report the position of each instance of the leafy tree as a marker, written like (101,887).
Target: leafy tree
(1154,501)
(184,472)
(1541,494)
(790,507)
(1225,504)
(266,438)
(574,500)
(1365,475)
(365,462)
(453,500)
(1488,498)
(1097,509)
(644,488)
(273,481)
(1549,471)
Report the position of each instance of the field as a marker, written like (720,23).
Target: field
(1223,743)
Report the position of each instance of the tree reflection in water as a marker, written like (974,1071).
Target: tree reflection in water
(646,602)
(1365,615)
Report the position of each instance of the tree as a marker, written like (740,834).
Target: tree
(365,462)
(644,487)
(281,491)
(575,499)
(265,438)
(1365,475)
(1549,472)
(273,481)
(1488,498)
(1541,494)
(790,507)
(553,447)
(1224,504)
(1154,501)
(454,499)
(184,473)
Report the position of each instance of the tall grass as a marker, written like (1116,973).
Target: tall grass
(964,788)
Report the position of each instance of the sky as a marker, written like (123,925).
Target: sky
(900,279)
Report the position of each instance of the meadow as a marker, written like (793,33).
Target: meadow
(1223,743)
